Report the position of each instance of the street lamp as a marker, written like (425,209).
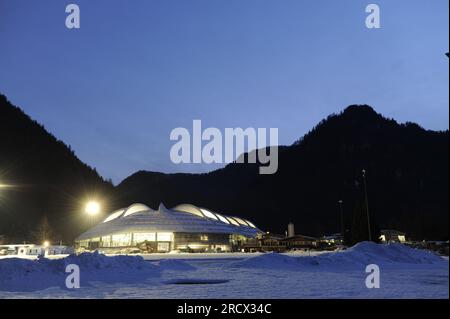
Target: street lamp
(92,208)
(367,204)
(46,245)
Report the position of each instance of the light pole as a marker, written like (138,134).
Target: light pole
(92,209)
(341,202)
(367,204)
(46,245)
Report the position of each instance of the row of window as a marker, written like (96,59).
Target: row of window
(201,212)
(124,240)
(133,239)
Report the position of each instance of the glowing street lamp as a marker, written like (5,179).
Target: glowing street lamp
(46,245)
(92,208)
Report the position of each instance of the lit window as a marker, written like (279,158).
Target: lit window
(186,208)
(114,215)
(233,221)
(164,236)
(136,208)
(208,214)
(106,241)
(204,237)
(141,237)
(251,225)
(121,240)
(240,221)
(84,243)
(223,219)
(163,247)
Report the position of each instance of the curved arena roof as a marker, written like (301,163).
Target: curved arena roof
(183,218)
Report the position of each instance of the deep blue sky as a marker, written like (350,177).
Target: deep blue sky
(115,88)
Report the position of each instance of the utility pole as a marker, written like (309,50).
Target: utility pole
(342,219)
(367,204)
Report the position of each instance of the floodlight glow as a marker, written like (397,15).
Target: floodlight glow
(92,208)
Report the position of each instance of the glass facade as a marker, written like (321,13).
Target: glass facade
(165,236)
(121,240)
(142,237)
(106,241)
(164,242)
(202,242)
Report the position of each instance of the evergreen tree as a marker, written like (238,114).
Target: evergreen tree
(43,232)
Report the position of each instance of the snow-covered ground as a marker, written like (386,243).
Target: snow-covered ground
(404,273)
(183,256)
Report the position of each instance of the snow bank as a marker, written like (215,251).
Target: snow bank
(391,253)
(359,255)
(18,274)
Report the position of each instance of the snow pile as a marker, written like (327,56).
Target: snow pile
(369,252)
(359,255)
(18,274)
(268,261)
(172,264)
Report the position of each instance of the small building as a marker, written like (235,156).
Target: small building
(297,242)
(34,250)
(12,249)
(392,236)
(265,242)
(268,242)
(333,239)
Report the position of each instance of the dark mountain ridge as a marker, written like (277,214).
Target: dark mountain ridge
(407,180)
(46,179)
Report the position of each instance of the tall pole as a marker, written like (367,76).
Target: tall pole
(342,219)
(367,204)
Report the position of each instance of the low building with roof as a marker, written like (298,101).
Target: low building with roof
(392,236)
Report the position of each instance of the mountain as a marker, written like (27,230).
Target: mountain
(46,181)
(407,180)
(406,173)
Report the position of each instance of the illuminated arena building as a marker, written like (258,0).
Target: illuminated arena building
(183,228)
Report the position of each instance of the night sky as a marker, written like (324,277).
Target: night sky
(116,87)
